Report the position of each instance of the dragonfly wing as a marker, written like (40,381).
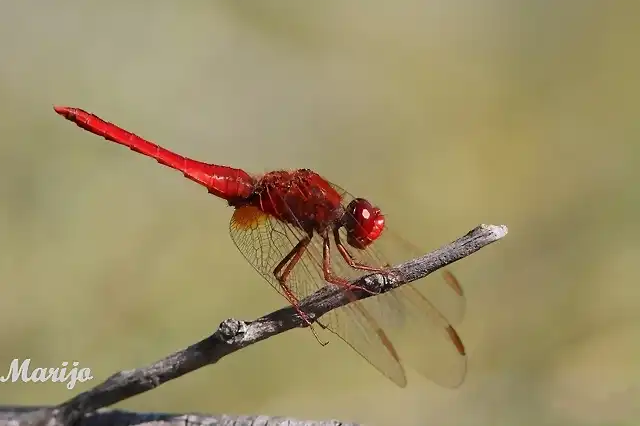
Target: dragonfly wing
(418,317)
(353,323)
(359,329)
(264,241)
(428,341)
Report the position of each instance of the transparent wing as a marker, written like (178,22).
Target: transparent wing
(418,317)
(265,241)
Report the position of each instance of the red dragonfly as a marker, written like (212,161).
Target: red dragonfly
(291,226)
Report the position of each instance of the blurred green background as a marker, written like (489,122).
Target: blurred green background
(446,114)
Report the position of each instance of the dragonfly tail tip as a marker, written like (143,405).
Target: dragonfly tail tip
(62,110)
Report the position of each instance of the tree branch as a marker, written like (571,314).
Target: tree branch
(233,334)
(10,416)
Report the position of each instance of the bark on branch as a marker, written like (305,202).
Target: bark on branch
(232,335)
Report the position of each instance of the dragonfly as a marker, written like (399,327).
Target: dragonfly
(301,232)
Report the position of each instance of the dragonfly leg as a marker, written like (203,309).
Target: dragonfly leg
(352,262)
(329,276)
(290,260)
(348,257)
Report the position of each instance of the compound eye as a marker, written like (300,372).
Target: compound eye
(364,223)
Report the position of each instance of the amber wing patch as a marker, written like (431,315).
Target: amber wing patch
(248,217)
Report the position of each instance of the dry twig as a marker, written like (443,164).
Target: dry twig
(232,335)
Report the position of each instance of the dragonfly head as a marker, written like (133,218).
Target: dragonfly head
(363,222)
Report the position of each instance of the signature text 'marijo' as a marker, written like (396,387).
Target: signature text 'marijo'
(20,372)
